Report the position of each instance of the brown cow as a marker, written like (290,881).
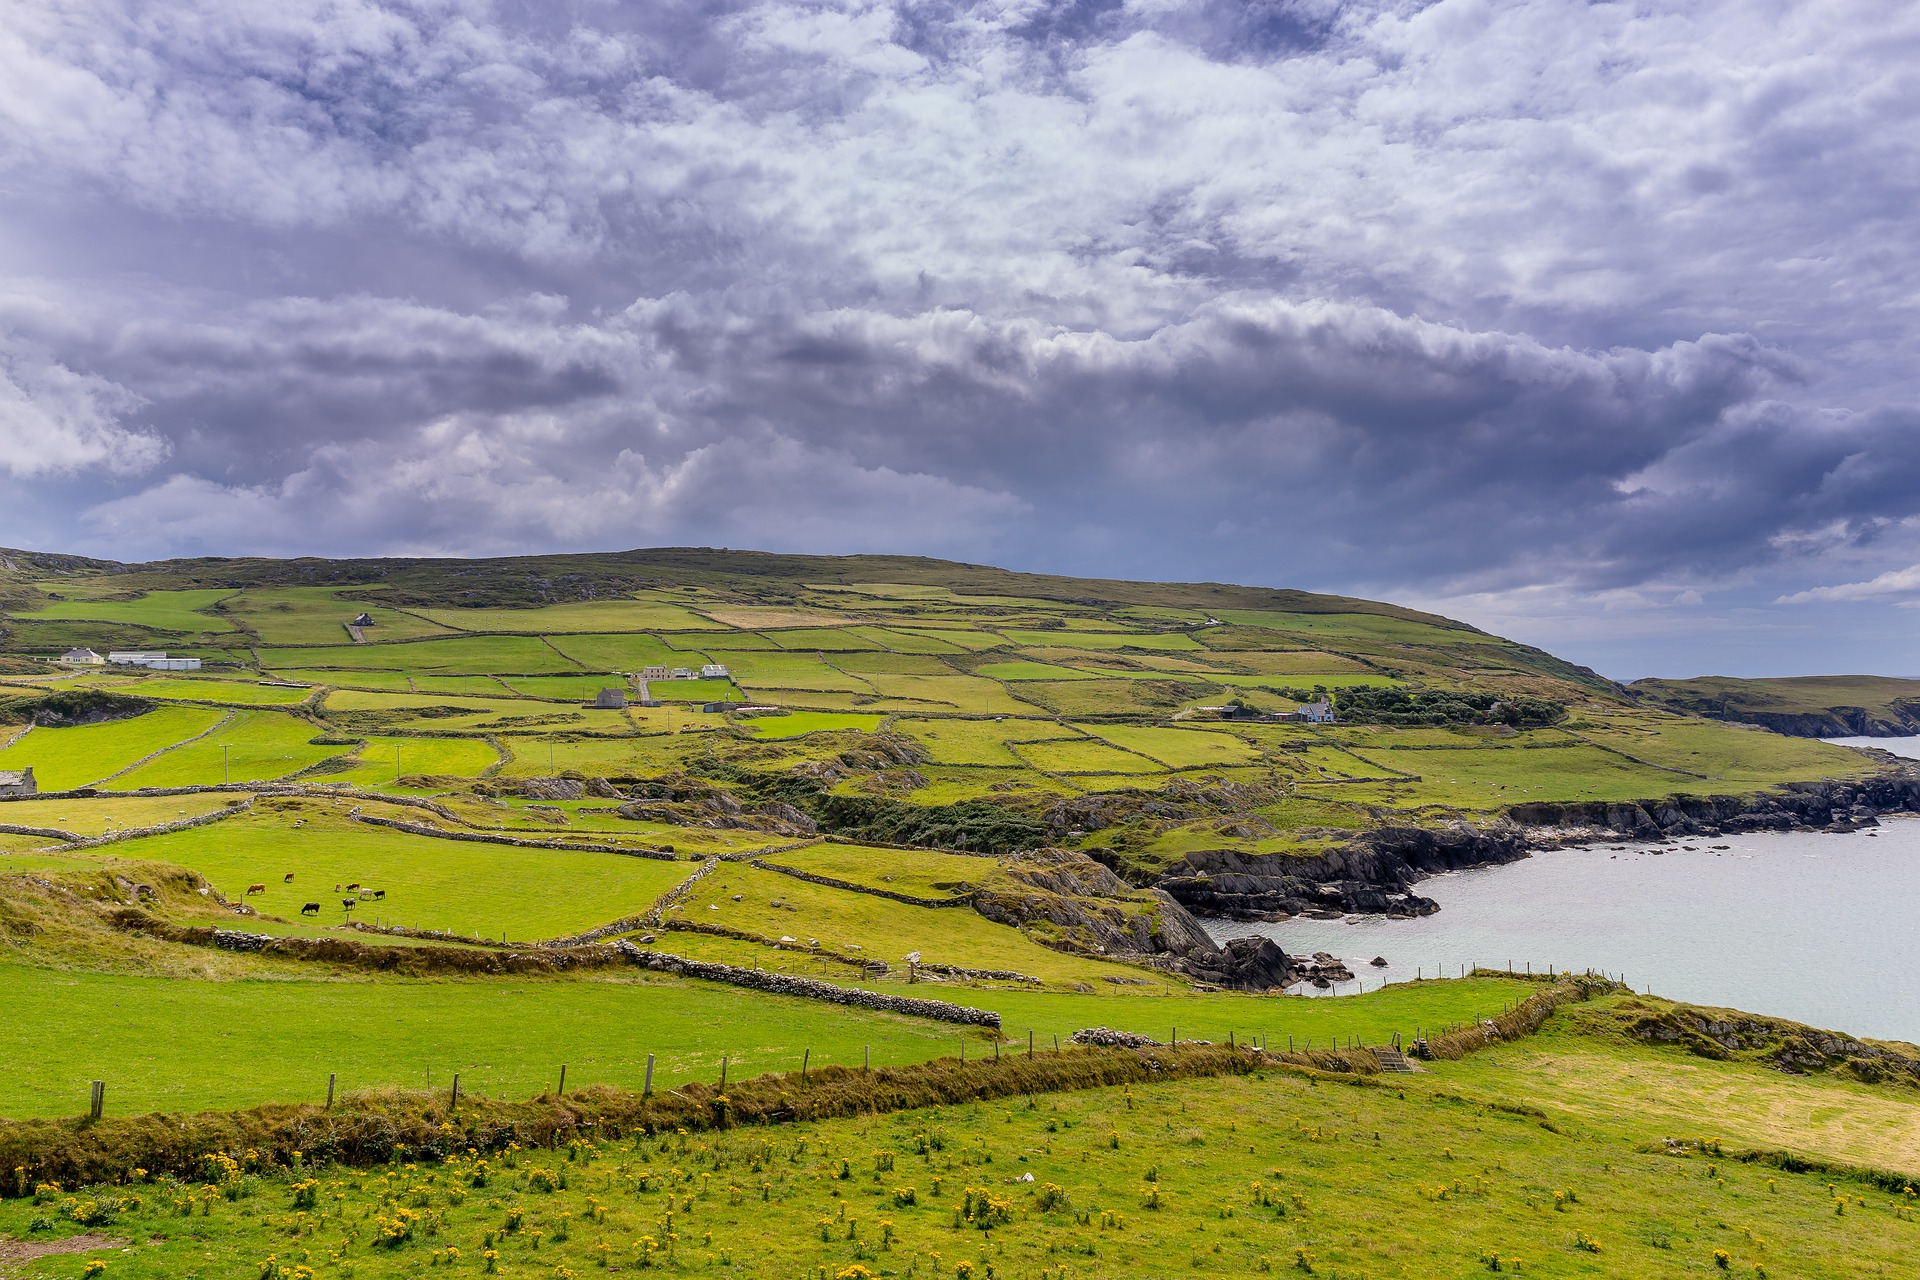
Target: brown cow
(255,888)
(288,879)
(354,887)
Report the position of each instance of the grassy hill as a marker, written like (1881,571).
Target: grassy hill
(1804,706)
(388,857)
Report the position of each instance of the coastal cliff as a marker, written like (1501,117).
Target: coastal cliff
(1376,871)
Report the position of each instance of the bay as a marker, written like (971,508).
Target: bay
(1820,928)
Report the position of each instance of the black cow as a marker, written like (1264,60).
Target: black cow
(379,894)
(348,903)
(311,909)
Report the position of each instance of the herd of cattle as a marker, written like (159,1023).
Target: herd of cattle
(313,908)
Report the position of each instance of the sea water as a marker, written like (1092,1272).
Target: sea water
(1820,928)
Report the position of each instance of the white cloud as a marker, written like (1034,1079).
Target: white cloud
(1892,583)
(56,421)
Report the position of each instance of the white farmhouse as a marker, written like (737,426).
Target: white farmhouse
(1319,711)
(83,658)
(713,671)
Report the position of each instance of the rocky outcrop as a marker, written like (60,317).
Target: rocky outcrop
(1068,901)
(1798,806)
(1374,872)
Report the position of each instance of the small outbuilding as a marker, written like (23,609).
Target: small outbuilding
(18,783)
(362,620)
(611,699)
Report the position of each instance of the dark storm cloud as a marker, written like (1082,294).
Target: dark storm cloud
(1520,300)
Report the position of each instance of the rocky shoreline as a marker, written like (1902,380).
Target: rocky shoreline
(1376,872)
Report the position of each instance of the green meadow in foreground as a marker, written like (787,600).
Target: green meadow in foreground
(1282,1171)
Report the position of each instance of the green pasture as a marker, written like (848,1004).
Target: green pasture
(103,814)
(430,883)
(796,723)
(1178,748)
(231,693)
(253,746)
(383,761)
(1108,696)
(883,929)
(950,786)
(180,1045)
(319,615)
(66,758)
(1171,642)
(967,695)
(565,688)
(1085,755)
(897,664)
(957,635)
(539,757)
(1724,753)
(1033,671)
(1362,626)
(627,652)
(1495,776)
(919,872)
(161,610)
(822,639)
(393,681)
(906,641)
(1298,662)
(587,618)
(777,670)
(469,655)
(972,741)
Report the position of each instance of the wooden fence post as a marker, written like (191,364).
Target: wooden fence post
(723,1073)
(1056,1044)
(332,1078)
(1029,1042)
(804,1055)
(868,1049)
(562,1090)
(97,1099)
(646,1090)
(454,1098)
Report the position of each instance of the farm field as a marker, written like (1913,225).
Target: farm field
(252,746)
(73,757)
(1178,748)
(319,616)
(382,762)
(230,693)
(98,817)
(587,618)
(799,723)
(483,889)
(184,611)
(1084,755)
(967,695)
(625,651)
(919,872)
(465,655)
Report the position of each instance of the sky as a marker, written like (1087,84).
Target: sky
(1591,324)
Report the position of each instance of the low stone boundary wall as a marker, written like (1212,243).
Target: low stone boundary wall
(963,900)
(482,837)
(184,824)
(808,988)
(678,894)
(45,833)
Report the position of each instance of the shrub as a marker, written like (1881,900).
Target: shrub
(904,1196)
(1052,1197)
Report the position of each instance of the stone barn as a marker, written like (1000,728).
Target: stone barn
(18,783)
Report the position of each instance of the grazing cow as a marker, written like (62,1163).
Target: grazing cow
(288,879)
(354,887)
(366,895)
(379,895)
(311,909)
(347,903)
(255,888)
